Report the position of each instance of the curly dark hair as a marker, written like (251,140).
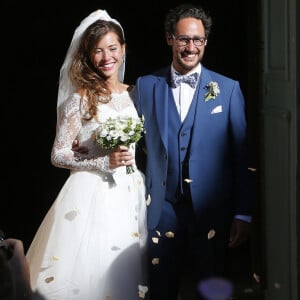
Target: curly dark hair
(186,11)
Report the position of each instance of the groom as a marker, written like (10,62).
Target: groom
(199,178)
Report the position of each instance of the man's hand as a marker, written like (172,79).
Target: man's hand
(79,149)
(240,233)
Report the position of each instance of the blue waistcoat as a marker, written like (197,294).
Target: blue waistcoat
(179,135)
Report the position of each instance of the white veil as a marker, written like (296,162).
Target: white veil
(66,89)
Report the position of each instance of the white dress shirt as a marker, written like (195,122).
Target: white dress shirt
(184,93)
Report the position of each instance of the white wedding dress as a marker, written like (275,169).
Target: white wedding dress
(91,243)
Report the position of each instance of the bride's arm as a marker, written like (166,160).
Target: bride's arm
(68,127)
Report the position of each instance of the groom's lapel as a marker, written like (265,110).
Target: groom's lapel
(161,99)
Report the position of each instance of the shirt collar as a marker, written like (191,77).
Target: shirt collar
(197,69)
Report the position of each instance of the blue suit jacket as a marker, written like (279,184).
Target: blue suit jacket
(222,185)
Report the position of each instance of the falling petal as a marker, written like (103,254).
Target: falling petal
(71,215)
(169,234)
(277,285)
(187,180)
(155,261)
(135,234)
(141,295)
(115,248)
(49,279)
(252,169)
(76,291)
(211,234)
(54,258)
(155,240)
(158,233)
(148,201)
(256,277)
(143,291)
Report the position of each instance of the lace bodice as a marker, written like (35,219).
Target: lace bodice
(71,126)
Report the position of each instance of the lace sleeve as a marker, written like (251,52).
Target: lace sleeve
(69,124)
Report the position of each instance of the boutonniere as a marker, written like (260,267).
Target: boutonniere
(213,91)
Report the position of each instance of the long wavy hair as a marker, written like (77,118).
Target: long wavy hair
(83,74)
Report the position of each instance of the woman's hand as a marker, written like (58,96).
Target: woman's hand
(120,157)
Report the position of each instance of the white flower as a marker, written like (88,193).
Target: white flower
(213,90)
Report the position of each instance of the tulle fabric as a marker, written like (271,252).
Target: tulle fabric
(88,246)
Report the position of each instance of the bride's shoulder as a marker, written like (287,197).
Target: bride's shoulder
(74,103)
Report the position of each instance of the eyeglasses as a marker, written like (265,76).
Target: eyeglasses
(183,40)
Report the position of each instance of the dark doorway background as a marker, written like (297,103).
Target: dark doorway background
(34,43)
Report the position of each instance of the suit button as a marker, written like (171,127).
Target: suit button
(163,183)
(182,149)
(183,134)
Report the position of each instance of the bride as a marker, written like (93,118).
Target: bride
(91,243)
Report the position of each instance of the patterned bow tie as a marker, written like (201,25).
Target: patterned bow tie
(190,79)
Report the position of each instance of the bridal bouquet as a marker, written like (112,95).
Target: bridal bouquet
(119,131)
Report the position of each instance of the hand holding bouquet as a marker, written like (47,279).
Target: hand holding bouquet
(119,131)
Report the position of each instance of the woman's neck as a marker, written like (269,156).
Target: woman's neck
(115,86)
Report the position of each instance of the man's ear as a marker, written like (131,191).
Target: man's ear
(169,39)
